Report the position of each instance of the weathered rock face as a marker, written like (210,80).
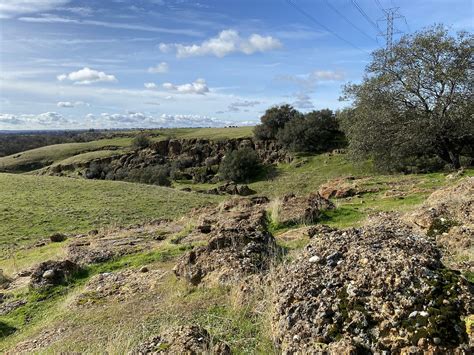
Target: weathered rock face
(190,158)
(344,187)
(192,340)
(231,188)
(377,288)
(50,273)
(239,244)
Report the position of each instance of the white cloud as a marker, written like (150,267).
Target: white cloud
(150,85)
(87,76)
(309,80)
(197,87)
(303,101)
(47,119)
(236,106)
(227,42)
(69,104)
(163,67)
(12,8)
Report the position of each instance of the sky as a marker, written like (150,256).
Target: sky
(77,64)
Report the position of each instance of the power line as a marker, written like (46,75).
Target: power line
(363,13)
(349,21)
(312,18)
(377,2)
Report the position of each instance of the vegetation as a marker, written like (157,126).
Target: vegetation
(34,207)
(273,120)
(317,132)
(240,165)
(141,141)
(414,109)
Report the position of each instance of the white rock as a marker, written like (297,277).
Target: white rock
(413,314)
(424,314)
(314,259)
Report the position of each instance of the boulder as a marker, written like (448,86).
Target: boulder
(381,287)
(51,273)
(58,237)
(294,209)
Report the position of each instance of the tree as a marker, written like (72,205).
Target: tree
(316,132)
(273,120)
(415,102)
(141,141)
(240,165)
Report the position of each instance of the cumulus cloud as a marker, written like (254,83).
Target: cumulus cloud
(238,105)
(303,101)
(86,76)
(162,67)
(150,85)
(197,87)
(144,120)
(47,119)
(226,42)
(69,104)
(308,81)
(9,8)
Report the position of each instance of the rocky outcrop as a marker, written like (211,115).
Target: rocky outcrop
(378,288)
(448,217)
(191,340)
(195,159)
(238,244)
(344,187)
(51,273)
(231,188)
(294,209)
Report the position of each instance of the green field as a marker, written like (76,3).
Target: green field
(33,207)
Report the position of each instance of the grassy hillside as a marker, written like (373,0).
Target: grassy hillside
(32,207)
(40,157)
(80,152)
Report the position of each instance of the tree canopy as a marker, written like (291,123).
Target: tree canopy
(415,104)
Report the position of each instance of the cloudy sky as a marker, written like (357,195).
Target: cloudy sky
(152,63)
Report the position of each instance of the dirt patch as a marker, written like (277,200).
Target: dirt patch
(378,288)
(100,247)
(119,286)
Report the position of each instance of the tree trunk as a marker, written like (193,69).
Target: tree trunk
(455,161)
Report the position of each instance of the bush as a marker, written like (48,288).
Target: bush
(240,165)
(273,120)
(141,141)
(153,175)
(315,132)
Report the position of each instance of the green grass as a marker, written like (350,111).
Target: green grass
(86,157)
(34,207)
(205,133)
(37,158)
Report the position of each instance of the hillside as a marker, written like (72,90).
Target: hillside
(78,152)
(141,247)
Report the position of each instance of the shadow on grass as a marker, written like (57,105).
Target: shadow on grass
(6,330)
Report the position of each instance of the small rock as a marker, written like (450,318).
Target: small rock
(314,259)
(437,341)
(144,269)
(412,314)
(57,238)
(424,314)
(49,274)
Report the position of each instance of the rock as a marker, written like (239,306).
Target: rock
(437,340)
(58,237)
(144,269)
(205,228)
(239,244)
(183,340)
(381,308)
(302,209)
(314,259)
(51,273)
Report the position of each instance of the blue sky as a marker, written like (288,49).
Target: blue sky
(153,63)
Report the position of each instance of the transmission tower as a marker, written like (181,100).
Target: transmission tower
(391,15)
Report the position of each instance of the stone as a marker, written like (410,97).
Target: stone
(314,259)
(49,274)
(144,269)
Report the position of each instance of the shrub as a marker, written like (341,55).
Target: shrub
(141,141)
(273,120)
(316,132)
(240,165)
